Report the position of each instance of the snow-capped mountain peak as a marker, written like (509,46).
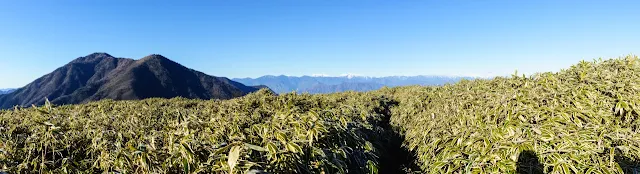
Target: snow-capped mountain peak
(349,75)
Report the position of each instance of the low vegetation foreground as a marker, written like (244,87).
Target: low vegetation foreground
(580,120)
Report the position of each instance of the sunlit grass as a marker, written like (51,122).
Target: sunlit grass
(581,120)
(280,134)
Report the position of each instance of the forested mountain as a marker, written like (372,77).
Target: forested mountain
(102,76)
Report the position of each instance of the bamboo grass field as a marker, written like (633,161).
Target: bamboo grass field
(580,120)
(583,119)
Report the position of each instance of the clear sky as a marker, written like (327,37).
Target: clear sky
(240,38)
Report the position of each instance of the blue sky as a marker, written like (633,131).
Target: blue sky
(243,38)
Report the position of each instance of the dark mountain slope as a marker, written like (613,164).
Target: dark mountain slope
(102,76)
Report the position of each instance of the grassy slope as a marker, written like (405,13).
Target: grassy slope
(280,134)
(582,120)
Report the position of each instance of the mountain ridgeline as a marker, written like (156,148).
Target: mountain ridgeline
(102,76)
(6,91)
(322,84)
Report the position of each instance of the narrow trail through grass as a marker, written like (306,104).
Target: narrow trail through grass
(585,119)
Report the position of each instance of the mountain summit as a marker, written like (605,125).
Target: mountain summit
(101,76)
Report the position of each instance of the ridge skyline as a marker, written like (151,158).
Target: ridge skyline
(486,75)
(345,75)
(365,76)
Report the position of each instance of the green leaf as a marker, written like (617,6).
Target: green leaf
(373,168)
(281,137)
(254,147)
(293,147)
(272,148)
(234,156)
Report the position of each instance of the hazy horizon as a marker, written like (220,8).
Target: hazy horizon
(371,38)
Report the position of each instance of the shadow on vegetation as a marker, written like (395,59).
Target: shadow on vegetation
(395,158)
(528,163)
(628,165)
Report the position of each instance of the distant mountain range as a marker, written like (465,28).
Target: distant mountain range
(101,76)
(326,84)
(6,91)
